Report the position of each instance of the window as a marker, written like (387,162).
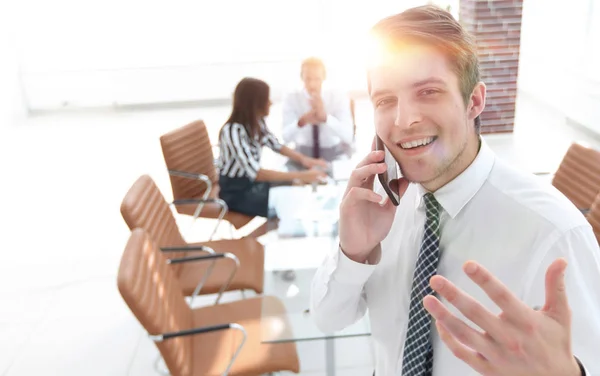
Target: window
(594,43)
(111,52)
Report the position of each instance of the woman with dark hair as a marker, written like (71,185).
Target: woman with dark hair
(244,184)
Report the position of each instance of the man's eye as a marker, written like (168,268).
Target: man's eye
(429,92)
(384,102)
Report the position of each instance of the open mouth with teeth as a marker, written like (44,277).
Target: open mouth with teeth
(416,144)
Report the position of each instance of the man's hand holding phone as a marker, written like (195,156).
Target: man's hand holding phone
(365,216)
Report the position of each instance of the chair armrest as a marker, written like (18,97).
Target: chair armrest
(189,175)
(200,330)
(186,201)
(210,257)
(189,248)
(207,329)
(201,202)
(201,177)
(213,258)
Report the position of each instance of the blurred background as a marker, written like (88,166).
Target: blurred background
(73,55)
(87,87)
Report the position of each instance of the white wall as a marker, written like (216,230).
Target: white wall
(109,53)
(12,108)
(560,57)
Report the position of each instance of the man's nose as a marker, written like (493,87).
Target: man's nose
(407,114)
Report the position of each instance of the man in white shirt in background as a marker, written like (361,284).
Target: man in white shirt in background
(316,119)
(481,268)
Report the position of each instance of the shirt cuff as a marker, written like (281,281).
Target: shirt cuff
(351,272)
(277,147)
(251,174)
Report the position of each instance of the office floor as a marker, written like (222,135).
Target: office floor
(63,177)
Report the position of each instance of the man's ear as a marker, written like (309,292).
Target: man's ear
(477,102)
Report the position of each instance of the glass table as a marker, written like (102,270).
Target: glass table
(293,253)
(295,296)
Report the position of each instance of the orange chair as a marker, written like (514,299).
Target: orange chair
(194,179)
(215,340)
(594,217)
(145,207)
(578,176)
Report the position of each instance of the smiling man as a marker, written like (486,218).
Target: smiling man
(480,269)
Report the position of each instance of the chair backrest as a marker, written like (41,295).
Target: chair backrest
(578,176)
(152,292)
(594,217)
(145,207)
(188,149)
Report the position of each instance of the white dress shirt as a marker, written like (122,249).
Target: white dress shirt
(338,127)
(510,222)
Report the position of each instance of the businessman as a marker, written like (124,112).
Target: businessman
(316,119)
(480,269)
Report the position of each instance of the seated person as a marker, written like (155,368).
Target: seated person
(317,120)
(244,185)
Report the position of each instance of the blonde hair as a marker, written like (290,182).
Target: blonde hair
(433,25)
(313,62)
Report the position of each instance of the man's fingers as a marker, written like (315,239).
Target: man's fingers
(374,156)
(557,304)
(468,306)
(363,176)
(514,309)
(356,194)
(456,327)
(462,352)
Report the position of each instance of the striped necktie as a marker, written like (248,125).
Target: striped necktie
(418,352)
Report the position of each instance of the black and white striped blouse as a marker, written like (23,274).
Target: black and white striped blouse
(240,154)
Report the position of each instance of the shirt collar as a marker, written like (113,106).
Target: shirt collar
(457,193)
(308,96)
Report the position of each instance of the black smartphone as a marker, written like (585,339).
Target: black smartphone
(390,174)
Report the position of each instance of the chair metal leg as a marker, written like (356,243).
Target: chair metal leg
(221,215)
(237,352)
(233,271)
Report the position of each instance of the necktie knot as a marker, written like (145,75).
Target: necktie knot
(432,206)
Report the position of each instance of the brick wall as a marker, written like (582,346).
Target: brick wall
(496,25)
